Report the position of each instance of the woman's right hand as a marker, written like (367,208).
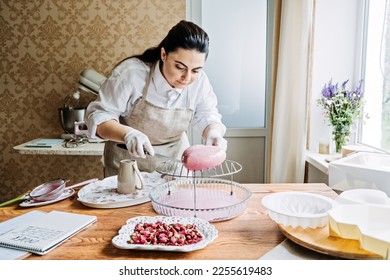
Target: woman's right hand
(138,144)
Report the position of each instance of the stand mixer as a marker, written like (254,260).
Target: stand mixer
(72,114)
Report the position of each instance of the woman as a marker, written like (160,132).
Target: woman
(150,100)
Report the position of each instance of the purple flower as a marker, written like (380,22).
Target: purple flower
(340,105)
(343,86)
(330,90)
(359,91)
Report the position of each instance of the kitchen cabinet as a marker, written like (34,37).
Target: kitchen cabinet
(316,168)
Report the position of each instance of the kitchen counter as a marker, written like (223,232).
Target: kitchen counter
(89,149)
(246,237)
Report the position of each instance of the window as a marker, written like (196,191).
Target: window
(375,131)
(237,61)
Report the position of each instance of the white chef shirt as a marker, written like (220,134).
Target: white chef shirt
(119,92)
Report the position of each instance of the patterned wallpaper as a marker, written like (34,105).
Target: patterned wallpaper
(45,44)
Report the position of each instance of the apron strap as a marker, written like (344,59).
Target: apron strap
(148,80)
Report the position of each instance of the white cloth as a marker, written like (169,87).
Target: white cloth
(119,92)
(288,250)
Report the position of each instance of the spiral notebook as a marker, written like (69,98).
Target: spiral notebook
(43,235)
(5,226)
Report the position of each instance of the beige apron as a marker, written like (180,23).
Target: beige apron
(166,129)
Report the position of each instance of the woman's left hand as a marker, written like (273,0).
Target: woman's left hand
(214,138)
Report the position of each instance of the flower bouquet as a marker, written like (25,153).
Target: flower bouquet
(341,107)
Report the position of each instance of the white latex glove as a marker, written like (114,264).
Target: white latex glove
(138,144)
(213,137)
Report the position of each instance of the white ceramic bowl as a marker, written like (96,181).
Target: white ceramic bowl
(298,209)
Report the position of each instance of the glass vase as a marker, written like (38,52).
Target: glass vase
(340,137)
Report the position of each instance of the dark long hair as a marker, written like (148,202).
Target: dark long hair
(185,34)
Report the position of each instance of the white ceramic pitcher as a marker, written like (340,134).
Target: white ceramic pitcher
(129,177)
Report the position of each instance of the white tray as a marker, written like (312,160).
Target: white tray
(103,193)
(208,231)
(367,223)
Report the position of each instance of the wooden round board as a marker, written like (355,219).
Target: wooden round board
(318,240)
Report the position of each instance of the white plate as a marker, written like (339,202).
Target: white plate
(65,195)
(208,231)
(103,193)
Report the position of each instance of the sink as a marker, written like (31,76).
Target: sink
(361,170)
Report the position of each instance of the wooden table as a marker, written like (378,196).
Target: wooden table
(246,237)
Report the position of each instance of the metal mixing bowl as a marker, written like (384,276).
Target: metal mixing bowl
(69,116)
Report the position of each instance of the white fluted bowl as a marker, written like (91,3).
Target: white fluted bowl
(298,209)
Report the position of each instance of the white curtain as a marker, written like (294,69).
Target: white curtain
(288,146)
